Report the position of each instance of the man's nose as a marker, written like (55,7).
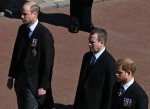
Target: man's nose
(117,74)
(21,16)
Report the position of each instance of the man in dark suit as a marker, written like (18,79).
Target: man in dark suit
(97,75)
(32,62)
(127,92)
(80,14)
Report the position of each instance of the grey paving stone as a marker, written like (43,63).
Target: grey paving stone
(61,4)
(47,5)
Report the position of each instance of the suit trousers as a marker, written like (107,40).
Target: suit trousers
(25,98)
(80,11)
(83,103)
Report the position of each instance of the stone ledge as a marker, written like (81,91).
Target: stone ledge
(44,5)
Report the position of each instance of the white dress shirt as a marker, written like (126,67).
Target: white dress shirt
(32,27)
(127,85)
(97,55)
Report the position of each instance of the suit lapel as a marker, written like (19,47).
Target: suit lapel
(99,60)
(130,88)
(86,63)
(125,97)
(35,32)
(35,36)
(97,64)
(22,37)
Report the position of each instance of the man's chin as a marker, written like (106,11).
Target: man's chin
(91,50)
(118,80)
(24,22)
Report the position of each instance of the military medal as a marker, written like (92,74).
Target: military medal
(33,45)
(127,102)
(34,52)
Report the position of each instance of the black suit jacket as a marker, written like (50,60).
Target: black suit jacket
(97,86)
(39,67)
(133,98)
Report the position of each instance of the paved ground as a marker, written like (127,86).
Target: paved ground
(127,24)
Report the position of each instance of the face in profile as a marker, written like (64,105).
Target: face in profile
(121,75)
(94,44)
(26,16)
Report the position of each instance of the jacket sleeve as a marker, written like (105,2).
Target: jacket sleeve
(142,101)
(110,80)
(15,55)
(79,86)
(47,59)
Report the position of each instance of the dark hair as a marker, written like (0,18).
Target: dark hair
(102,34)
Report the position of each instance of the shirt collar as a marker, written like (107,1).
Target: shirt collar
(127,85)
(32,27)
(99,53)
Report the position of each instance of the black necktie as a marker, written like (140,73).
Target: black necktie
(121,90)
(88,69)
(93,60)
(29,30)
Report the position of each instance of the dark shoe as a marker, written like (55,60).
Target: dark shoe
(87,28)
(74,25)
(73,29)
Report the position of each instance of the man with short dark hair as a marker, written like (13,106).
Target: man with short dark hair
(97,74)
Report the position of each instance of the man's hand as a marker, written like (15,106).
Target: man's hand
(10,83)
(41,91)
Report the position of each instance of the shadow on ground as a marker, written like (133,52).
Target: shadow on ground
(57,19)
(62,106)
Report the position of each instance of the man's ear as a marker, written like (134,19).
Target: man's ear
(129,72)
(35,13)
(102,42)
